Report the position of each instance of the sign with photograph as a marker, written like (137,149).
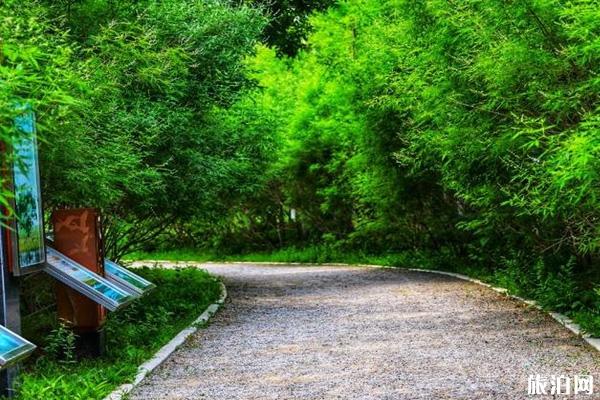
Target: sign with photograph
(127,280)
(13,348)
(29,224)
(86,282)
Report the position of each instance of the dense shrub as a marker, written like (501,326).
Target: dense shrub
(124,94)
(467,128)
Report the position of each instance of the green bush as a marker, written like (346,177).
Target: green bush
(468,131)
(60,344)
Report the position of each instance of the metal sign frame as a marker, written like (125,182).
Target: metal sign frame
(65,274)
(122,277)
(26,123)
(24,349)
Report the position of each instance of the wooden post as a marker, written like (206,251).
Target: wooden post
(77,234)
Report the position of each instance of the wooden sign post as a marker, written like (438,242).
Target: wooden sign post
(78,235)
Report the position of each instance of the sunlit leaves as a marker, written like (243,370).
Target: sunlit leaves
(432,115)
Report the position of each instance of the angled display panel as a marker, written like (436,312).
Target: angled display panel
(126,279)
(13,348)
(85,281)
(29,226)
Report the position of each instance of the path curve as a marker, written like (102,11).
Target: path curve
(306,332)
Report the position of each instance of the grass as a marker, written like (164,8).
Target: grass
(323,255)
(553,290)
(313,255)
(134,334)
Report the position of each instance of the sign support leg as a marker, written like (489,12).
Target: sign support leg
(10,315)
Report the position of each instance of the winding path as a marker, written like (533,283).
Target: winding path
(291,332)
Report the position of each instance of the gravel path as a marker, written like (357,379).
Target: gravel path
(291,332)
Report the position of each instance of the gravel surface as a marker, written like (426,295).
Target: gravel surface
(293,332)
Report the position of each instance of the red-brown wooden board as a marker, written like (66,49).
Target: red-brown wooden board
(77,234)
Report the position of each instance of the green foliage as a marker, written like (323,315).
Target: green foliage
(143,323)
(557,291)
(134,334)
(467,129)
(81,386)
(60,344)
(589,321)
(309,255)
(289,22)
(127,97)
(33,57)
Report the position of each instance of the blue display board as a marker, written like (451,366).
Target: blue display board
(127,280)
(13,347)
(86,282)
(29,249)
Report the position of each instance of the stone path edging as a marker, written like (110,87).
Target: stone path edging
(168,349)
(560,318)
